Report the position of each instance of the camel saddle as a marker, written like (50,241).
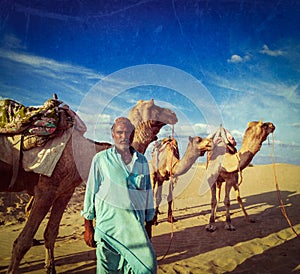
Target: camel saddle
(24,129)
(223,135)
(36,124)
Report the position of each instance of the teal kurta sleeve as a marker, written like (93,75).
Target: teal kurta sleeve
(92,187)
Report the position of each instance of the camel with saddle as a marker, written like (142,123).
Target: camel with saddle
(52,193)
(225,164)
(167,165)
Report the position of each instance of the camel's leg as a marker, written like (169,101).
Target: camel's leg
(211,226)
(27,212)
(228,225)
(171,218)
(155,189)
(41,205)
(52,229)
(219,194)
(158,198)
(239,199)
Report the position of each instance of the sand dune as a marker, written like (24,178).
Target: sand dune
(267,245)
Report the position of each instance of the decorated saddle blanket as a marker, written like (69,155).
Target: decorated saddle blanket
(15,118)
(39,134)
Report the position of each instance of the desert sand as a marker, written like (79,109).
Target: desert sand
(268,245)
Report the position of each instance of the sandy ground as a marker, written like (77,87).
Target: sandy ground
(267,245)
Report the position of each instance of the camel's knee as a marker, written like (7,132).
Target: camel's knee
(227,202)
(213,202)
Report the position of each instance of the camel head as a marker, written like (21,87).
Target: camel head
(200,145)
(148,119)
(147,111)
(258,131)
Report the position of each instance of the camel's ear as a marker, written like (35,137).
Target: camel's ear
(260,122)
(190,139)
(151,102)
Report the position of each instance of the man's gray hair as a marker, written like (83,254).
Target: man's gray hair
(123,120)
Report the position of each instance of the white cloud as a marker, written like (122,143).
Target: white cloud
(297,125)
(267,51)
(238,59)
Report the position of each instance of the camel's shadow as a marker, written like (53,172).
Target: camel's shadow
(195,240)
(81,259)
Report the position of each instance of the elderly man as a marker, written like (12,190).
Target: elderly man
(119,196)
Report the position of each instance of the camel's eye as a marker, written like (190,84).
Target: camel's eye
(199,140)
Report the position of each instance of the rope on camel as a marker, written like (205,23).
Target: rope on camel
(282,207)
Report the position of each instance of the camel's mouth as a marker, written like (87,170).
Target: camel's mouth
(270,126)
(208,147)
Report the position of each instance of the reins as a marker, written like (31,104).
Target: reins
(171,190)
(282,207)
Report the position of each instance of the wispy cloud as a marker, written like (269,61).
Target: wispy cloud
(28,73)
(10,41)
(47,65)
(267,51)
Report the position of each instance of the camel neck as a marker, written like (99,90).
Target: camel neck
(144,135)
(183,165)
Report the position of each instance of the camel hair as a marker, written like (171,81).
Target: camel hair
(55,192)
(166,164)
(230,167)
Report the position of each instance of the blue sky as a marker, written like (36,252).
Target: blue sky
(245,56)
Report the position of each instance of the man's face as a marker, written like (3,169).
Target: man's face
(122,135)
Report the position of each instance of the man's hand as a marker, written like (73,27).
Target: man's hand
(89,233)
(148,227)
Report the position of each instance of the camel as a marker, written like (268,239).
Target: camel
(230,167)
(53,193)
(166,164)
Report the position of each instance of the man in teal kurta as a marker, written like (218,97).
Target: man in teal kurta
(119,196)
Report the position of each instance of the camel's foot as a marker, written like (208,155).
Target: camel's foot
(251,220)
(229,227)
(171,219)
(50,269)
(155,220)
(210,228)
(36,242)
